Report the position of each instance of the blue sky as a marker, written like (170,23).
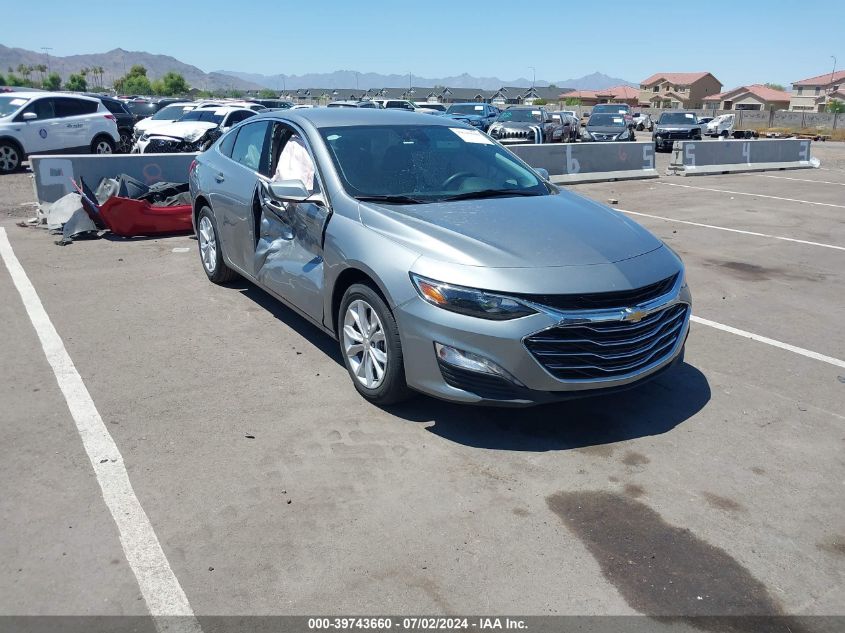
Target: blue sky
(759,42)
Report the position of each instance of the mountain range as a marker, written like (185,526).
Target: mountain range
(353,79)
(116,62)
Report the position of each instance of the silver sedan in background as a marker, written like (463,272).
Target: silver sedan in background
(439,260)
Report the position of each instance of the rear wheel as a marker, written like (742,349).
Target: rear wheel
(370,345)
(10,157)
(211,254)
(102,145)
(125,145)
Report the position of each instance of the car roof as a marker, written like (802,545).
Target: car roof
(342,117)
(33,95)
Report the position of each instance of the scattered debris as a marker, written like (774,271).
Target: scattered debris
(613,201)
(249,437)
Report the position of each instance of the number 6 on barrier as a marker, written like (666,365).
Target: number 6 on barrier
(573,166)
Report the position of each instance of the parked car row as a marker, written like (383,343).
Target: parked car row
(49,122)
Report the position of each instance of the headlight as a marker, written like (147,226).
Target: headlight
(469,301)
(586,135)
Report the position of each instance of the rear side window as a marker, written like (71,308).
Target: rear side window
(66,106)
(237,117)
(227,144)
(114,107)
(251,148)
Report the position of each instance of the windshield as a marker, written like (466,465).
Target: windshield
(521,116)
(210,116)
(607,120)
(682,118)
(170,113)
(143,108)
(611,107)
(9,105)
(425,163)
(465,108)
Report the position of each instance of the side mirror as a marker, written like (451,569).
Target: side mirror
(543,173)
(29,116)
(289,190)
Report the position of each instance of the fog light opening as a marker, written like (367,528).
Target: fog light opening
(471,362)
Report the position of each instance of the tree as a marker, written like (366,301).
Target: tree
(171,84)
(77,83)
(539,102)
(572,101)
(2,80)
(266,93)
(53,82)
(774,86)
(14,80)
(836,106)
(134,82)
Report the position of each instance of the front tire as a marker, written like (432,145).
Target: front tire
(102,145)
(10,157)
(210,249)
(370,346)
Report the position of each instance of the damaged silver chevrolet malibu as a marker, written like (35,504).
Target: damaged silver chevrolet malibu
(439,260)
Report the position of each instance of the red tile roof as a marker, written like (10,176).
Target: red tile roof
(616,92)
(763,92)
(679,79)
(821,80)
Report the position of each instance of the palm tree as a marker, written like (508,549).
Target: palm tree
(42,70)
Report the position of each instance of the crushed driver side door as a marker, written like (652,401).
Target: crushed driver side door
(289,249)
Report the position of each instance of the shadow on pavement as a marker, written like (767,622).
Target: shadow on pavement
(653,408)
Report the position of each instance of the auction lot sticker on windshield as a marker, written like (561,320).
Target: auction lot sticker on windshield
(17,102)
(471,136)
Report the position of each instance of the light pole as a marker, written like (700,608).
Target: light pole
(533,76)
(46,49)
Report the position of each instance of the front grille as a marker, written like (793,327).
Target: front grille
(484,385)
(608,349)
(159,145)
(602,300)
(526,134)
(676,134)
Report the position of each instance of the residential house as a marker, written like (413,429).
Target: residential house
(753,97)
(684,91)
(616,94)
(814,93)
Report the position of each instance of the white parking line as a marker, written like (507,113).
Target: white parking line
(770,341)
(756,195)
(158,584)
(820,182)
(724,228)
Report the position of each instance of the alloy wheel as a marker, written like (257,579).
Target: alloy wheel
(9,159)
(208,245)
(364,344)
(103,147)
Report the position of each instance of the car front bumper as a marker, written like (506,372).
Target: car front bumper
(421,325)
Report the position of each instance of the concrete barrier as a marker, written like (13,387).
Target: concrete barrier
(694,158)
(591,162)
(53,173)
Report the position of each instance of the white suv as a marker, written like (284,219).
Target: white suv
(50,123)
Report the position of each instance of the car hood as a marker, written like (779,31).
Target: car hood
(676,127)
(468,117)
(516,125)
(188,130)
(521,232)
(605,129)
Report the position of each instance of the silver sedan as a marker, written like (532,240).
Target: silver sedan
(440,261)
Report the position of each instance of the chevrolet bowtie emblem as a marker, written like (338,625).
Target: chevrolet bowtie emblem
(633,316)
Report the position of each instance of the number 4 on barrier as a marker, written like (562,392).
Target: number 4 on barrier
(746,153)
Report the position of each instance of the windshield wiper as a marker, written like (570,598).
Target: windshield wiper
(394,199)
(490,193)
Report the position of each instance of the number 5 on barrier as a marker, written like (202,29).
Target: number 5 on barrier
(689,154)
(648,156)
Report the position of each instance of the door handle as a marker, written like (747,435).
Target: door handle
(219,177)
